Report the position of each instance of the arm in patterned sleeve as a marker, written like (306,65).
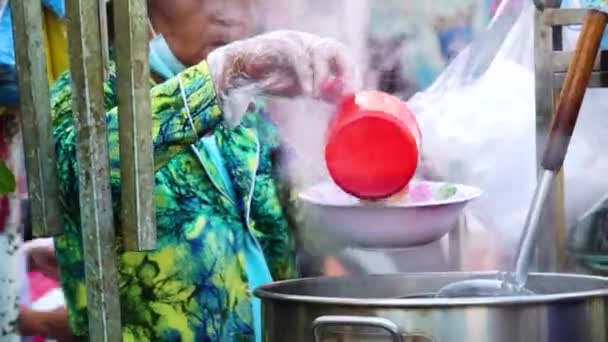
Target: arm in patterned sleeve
(172,131)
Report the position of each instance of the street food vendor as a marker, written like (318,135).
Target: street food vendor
(221,210)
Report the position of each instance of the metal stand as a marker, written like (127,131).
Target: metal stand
(551,63)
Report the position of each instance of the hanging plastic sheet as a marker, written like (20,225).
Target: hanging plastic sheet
(478,123)
(478,120)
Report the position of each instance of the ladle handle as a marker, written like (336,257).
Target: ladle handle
(573,90)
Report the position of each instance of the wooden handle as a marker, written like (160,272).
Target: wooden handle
(573,91)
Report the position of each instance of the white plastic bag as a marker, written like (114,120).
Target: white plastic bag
(479,126)
(478,121)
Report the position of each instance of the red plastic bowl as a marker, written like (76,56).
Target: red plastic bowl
(372,149)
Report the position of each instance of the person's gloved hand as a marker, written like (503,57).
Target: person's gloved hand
(280,63)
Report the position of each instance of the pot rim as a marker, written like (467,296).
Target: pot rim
(265,293)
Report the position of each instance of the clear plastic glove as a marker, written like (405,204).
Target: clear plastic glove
(280,63)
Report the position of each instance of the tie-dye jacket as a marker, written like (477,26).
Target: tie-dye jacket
(194,286)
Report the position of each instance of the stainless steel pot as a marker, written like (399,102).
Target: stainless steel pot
(401,307)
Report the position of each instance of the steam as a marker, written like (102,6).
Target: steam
(303,123)
(455,143)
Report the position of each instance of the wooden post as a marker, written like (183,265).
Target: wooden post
(135,124)
(36,118)
(97,220)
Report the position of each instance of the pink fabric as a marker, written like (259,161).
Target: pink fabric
(40,285)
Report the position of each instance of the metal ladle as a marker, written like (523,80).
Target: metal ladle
(562,126)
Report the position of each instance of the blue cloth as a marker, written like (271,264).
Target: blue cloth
(447,38)
(9,94)
(56,6)
(258,274)
(9,90)
(162,60)
(7,52)
(257,270)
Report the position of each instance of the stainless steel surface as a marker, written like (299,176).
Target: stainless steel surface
(551,17)
(351,321)
(599,79)
(35,118)
(550,255)
(97,219)
(545,95)
(502,286)
(588,238)
(561,60)
(510,284)
(135,126)
(566,308)
(550,66)
(530,232)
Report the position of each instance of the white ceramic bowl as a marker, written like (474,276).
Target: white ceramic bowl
(428,212)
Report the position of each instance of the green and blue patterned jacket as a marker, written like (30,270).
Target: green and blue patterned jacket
(194,286)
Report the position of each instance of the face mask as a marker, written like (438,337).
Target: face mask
(162,61)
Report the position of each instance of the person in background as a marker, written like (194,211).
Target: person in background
(454,32)
(222,210)
(388,36)
(17,318)
(40,256)
(16,315)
